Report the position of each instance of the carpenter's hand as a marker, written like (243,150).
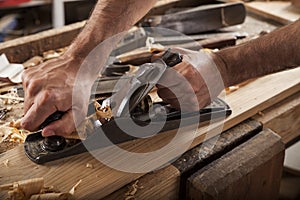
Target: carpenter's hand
(49,88)
(191,84)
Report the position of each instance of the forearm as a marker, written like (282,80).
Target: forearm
(108,18)
(273,52)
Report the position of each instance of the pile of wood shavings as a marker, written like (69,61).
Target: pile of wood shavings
(34,189)
(12,132)
(11,97)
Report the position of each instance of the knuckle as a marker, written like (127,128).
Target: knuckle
(26,125)
(47,96)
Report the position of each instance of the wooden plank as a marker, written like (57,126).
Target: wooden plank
(253,98)
(250,171)
(280,11)
(283,118)
(161,184)
(245,102)
(21,49)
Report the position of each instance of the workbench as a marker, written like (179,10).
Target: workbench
(245,161)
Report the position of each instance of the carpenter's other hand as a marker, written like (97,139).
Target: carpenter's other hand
(191,84)
(49,88)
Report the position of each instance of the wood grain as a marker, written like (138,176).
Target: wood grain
(102,180)
(256,175)
(21,49)
(161,184)
(283,118)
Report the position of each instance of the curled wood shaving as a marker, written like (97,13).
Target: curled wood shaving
(15,124)
(9,132)
(132,190)
(51,55)
(23,189)
(102,112)
(17,136)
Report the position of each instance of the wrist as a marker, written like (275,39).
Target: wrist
(221,66)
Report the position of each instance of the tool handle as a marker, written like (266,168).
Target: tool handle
(53,117)
(171,58)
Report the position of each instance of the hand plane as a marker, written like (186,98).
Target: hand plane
(130,103)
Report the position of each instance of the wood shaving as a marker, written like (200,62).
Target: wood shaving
(234,88)
(15,124)
(89,165)
(48,55)
(17,136)
(33,189)
(23,189)
(132,190)
(261,113)
(6,163)
(32,62)
(11,97)
(231,89)
(103,113)
(11,134)
(73,189)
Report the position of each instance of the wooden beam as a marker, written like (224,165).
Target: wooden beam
(252,171)
(21,49)
(213,149)
(102,180)
(283,118)
(279,11)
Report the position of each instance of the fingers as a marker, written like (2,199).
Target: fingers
(35,116)
(31,88)
(62,127)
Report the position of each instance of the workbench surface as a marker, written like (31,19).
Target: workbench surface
(280,105)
